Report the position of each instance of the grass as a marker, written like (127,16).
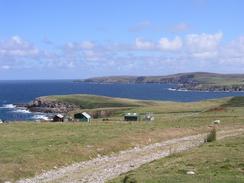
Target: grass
(217,162)
(28,148)
(92,101)
(235,102)
(220,80)
(212,135)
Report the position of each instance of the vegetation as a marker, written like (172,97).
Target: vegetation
(98,102)
(212,135)
(218,162)
(28,148)
(201,77)
(191,81)
(94,101)
(235,102)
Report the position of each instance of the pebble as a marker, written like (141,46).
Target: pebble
(190,173)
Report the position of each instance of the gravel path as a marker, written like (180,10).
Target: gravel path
(104,168)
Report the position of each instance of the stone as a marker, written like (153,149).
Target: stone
(190,173)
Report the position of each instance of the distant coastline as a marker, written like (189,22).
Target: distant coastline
(186,90)
(197,81)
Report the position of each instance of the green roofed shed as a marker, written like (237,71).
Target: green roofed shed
(82,117)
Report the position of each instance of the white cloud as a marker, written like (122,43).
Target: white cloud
(171,45)
(70,45)
(91,55)
(203,42)
(203,46)
(142,44)
(233,52)
(87,45)
(205,55)
(17,47)
(192,51)
(70,65)
(237,44)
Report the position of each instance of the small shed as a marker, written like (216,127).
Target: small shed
(83,117)
(58,118)
(131,117)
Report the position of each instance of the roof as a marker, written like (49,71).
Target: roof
(131,114)
(59,115)
(86,115)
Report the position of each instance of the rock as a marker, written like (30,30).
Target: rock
(217,121)
(44,105)
(190,173)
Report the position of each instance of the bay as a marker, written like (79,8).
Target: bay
(15,92)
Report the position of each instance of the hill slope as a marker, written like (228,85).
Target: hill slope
(189,81)
(66,103)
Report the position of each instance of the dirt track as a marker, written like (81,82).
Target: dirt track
(107,167)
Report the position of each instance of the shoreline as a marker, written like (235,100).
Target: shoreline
(207,91)
(19,110)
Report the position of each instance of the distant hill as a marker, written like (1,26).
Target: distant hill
(189,81)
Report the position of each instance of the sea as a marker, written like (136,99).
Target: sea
(18,92)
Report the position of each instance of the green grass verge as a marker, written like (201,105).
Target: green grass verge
(94,101)
(217,162)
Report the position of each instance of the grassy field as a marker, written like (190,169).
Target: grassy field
(93,101)
(28,148)
(217,162)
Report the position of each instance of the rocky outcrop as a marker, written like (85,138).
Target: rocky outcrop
(45,105)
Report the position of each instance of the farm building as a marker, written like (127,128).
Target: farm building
(58,118)
(131,117)
(82,117)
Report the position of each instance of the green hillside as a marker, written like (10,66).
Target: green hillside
(94,101)
(218,162)
(190,81)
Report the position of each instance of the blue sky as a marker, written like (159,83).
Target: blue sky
(66,39)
